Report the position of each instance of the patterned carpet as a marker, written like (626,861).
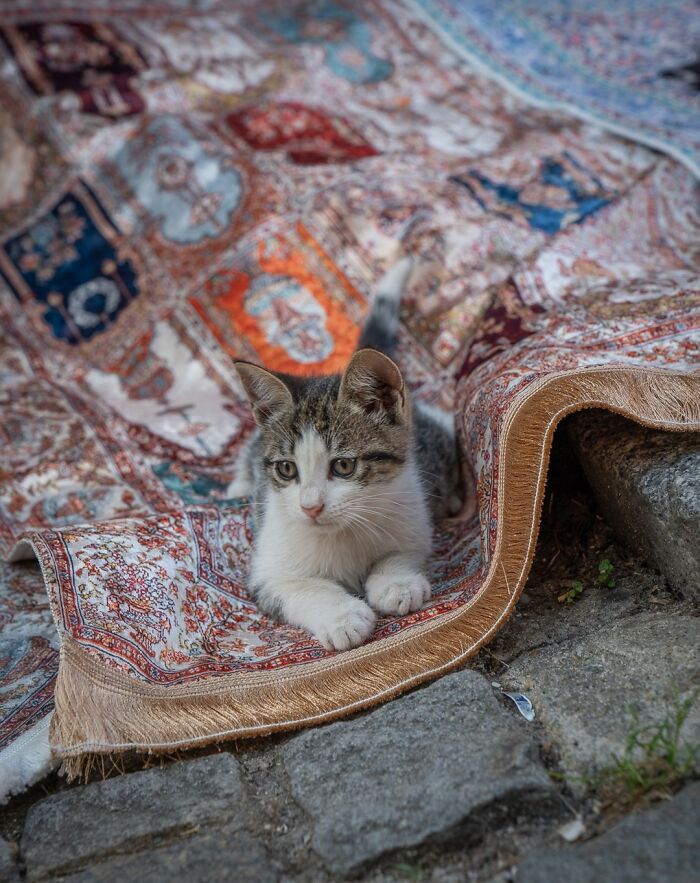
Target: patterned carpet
(632,66)
(185,185)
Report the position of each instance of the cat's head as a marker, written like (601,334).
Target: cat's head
(331,446)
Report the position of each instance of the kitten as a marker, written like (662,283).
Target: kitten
(343,469)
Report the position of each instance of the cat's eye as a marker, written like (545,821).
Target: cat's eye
(343,467)
(286,470)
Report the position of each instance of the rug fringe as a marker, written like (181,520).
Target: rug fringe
(100,711)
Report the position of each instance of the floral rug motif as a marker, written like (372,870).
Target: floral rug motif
(633,67)
(182,187)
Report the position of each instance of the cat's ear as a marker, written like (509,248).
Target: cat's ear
(268,395)
(374,382)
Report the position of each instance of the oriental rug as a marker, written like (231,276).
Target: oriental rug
(632,66)
(190,184)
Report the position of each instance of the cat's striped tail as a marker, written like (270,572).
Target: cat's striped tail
(382,324)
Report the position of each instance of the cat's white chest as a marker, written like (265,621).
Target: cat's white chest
(290,549)
(341,557)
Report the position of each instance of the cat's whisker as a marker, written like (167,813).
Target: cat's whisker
(381,502)
(361,515)
(392,493)
(391,498)
(385,506)
(373,512)
(375,531)
(360,534)
(363,499)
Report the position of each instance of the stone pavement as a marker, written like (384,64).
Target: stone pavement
(658,845)
(447,783)
(580,688)
(438,763)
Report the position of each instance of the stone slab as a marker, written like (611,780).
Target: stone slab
(426,765)
(72,828)
(582,689)
(657,845)
(219,856)
(8,866)
(647,483)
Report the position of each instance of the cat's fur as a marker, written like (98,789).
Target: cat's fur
(324,540)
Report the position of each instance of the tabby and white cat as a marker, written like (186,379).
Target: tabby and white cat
(344,470)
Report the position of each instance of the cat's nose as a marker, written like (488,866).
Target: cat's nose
(313,511)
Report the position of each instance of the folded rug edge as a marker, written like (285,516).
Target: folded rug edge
(101,712)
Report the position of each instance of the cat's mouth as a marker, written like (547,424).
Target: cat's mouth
(325,523)
(324,526)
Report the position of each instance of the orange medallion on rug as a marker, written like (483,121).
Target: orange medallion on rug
(287,302)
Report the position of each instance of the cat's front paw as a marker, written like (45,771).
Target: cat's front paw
(397,594)
(348,624)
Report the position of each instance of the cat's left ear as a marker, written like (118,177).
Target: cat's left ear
(268,395)
(374,382)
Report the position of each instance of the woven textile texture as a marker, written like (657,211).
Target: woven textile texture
(190,184)
(632,66)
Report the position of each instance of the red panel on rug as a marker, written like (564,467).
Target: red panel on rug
(307,135)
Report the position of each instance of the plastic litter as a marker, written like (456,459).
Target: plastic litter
(572,830)
(523,704)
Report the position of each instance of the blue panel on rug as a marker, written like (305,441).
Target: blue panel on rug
(68,261)
(188,187)
(561,193)
(345,37)
(196,487)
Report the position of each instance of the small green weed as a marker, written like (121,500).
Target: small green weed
(409,871)
(575,587)
(605,577)
(654,762)
(568,597)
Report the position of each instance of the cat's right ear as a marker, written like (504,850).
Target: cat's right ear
(268,395)
(374,382)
